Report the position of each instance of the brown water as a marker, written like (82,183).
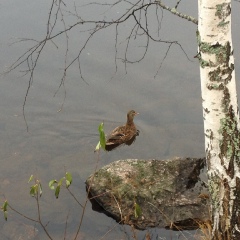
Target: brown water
(170,119)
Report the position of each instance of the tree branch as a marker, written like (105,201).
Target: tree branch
(175,12)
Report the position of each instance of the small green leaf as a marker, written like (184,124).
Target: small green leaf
(4,208)
(5,215)
(137,210)
(51,184)
(67,183)
(40,189)
(97,147)
(30,179)
(57,191)
(68,179)
(34,190)
(102,136)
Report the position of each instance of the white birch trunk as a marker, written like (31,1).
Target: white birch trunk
(221,116)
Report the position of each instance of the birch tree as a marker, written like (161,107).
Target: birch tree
(221,116)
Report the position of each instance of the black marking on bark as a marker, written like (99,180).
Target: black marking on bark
(226,100)
(235,220)
(206,110)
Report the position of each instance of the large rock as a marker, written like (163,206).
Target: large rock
(166,191)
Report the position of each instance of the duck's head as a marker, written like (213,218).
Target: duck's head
(131,114)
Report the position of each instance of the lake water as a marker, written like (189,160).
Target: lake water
(170,119)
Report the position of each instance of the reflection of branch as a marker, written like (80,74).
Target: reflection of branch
(65,59)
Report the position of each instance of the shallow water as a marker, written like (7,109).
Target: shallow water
(170,119)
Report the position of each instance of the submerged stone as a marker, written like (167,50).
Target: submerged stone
(151,193)
(17,231)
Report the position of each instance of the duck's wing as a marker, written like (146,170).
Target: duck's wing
(116,135)
(115,138)
(132,137)
(121,135)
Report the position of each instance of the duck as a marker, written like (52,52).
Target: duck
(125,134)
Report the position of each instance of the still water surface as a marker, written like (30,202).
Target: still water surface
(170,119)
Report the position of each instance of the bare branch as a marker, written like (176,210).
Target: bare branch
(175,12)
(138,11)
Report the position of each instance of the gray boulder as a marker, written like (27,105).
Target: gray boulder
(153,193)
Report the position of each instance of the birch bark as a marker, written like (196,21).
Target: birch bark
(221,116)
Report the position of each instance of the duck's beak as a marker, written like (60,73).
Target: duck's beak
(136,113)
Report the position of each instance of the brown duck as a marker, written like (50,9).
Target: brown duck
(125,134)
